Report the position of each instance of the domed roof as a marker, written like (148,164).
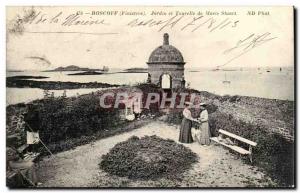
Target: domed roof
(166,54)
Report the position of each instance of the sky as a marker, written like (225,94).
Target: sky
(43,38)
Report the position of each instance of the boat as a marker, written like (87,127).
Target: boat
(226,81)
(105,69)
(216,69)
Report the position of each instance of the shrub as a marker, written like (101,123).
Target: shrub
(61,119)
(149,157)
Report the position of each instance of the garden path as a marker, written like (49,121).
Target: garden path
(216,167)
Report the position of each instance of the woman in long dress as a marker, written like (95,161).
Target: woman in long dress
(204,135)
(185,135)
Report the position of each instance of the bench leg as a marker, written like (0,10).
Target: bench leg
(236,155)
(250,157)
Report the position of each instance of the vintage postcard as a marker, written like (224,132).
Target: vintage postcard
(150,97)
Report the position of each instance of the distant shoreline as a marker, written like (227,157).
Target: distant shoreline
(87,73)
(22,82)
(15,71)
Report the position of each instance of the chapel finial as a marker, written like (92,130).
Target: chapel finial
(166,39)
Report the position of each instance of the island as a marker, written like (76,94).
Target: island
(76,68)
(135,70)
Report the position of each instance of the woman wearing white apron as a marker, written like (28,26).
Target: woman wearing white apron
(204,134)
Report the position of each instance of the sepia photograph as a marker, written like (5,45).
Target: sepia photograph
(150,97)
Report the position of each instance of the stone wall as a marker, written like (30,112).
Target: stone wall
(285,133)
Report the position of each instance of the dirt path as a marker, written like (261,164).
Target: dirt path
(79,167)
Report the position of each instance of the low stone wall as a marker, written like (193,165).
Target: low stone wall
(285,133)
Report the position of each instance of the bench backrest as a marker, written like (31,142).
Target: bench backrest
(237,137)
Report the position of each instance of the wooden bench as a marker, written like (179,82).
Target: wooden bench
(233,146)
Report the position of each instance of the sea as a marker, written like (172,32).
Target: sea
(271,83)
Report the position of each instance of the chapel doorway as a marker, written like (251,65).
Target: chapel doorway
(166,81)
